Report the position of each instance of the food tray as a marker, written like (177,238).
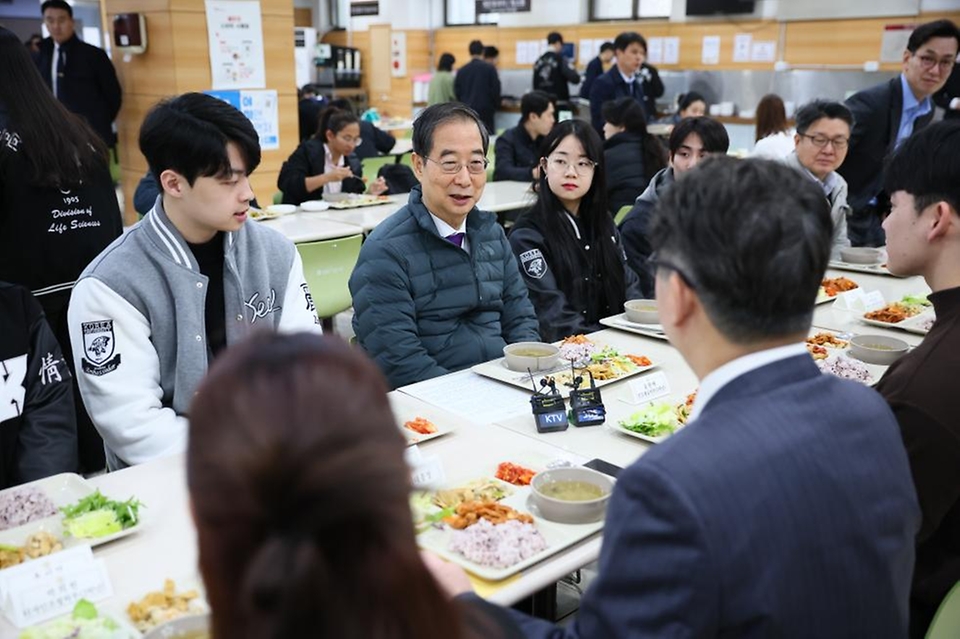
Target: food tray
(647,330)
(910,325)
(875,371)
(405,408)
(360,201)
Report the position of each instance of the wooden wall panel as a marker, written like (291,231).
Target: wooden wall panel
(302,17)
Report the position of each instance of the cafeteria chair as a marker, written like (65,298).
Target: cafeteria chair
(327,265)
(946,623)
(278,197)
(622,213)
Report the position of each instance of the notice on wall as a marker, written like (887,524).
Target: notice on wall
(654,8)
(502,6)
(671,50)
(710,52)
(655,50)
(894,41)
(260,107)
(741,47)
(763,51)
(364,8)
(235,38)
(398,54)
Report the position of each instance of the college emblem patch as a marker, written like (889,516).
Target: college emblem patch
(98,348)
(533,263)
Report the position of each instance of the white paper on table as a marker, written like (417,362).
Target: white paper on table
(859,300)
(655,50)
(763,51)
(710,52)
(472,396)
(741,47)
(671,50)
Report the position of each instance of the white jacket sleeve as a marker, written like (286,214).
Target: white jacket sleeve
(118,371)
(298,312)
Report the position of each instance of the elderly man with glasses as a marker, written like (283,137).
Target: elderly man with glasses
(822,140)
(886,115)
(436,288)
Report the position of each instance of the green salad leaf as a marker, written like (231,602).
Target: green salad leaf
(915,300)
(654,420)
(96,516)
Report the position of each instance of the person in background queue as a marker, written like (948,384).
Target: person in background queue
(152,311)
(923,238)
(551,72)
(58,207)
(441,84)
(325,164)
(518,149)
(596,68)
(886,115)
(691,141)
(621,80)
(702,532)
(436,288)
(567,244)
(477,85)
(309,108)
(279,424)
(774,138)
(632,155)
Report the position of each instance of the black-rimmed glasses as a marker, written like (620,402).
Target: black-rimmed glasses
(452,166)
(658,263)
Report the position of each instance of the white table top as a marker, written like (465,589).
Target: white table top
(309,227)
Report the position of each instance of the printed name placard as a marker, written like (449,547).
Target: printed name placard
(44,588)
(649,387)
(428,472)
(860,300)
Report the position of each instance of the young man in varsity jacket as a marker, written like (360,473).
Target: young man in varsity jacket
(150,312)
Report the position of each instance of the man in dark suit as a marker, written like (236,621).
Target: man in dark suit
(885,115)
(80,75)
(595,69)
(478,86)
(621,80)
(784,508)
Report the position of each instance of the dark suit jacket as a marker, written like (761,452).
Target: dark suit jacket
(786,509)
(478,86)
(89,85)
(594,70)
(876,113)
(516,155)
(611,86)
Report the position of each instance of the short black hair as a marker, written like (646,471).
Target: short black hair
(334,119)
(490,52)
(819,109)
(554,37)
(625,112)
(930,30)
(439,114)
(625,39)
(927,166)
(475,47)
(534,103)
(688,98)
(753,238)
(446,62)
(606,46)
(344,104)
(189,134)
(56,4)
(712,134)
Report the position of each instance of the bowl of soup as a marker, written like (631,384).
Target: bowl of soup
(574,495)
(878,349)
(536,356)
(189,627)
(860,255)
(642,311)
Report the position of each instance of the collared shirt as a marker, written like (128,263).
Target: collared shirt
(720,377)
(328,165)
(827,184)
(54,68)
(912,109)
(445,229)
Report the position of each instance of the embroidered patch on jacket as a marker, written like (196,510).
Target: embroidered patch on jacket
(99,345)
(533,263)
(264,307)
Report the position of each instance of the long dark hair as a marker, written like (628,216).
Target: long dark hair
(334,120)
(628,113)
(300,492)
(771,116)
(60,147)
(548,215)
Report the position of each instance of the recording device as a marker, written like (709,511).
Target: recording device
(549,412)
(586,405)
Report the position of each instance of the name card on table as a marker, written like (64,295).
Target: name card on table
(44,588)
(425,471)
(860,300)
(648,388)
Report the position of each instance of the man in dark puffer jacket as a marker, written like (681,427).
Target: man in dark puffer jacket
(436,288)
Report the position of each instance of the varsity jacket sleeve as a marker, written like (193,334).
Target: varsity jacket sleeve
(47,442)
(558,317)
(569,74)
(120,381)
(299,312)
(505,166)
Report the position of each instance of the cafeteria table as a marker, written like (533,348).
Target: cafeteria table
(299,227)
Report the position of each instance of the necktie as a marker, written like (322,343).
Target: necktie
(61,62)
(455,238)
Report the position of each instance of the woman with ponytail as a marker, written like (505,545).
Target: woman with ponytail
(300,495)
(632,155)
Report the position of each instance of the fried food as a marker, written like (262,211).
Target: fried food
(576,339)
(816,351)
(470,512)
(479,490)
(893,313)
(421,425)
(39,544)
(514,474)
(639,360)
(827,339)
(158,607)
(837,285)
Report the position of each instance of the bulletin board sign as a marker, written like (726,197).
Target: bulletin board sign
(364,8)
(502,6)
(260,107)
(235,37)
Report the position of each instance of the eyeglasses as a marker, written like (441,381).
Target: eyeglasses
(658,263)
(351,140)
(582,167)
(928,62)
(452,167)
(822,141)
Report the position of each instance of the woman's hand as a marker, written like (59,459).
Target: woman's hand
(379,186)
(451,578)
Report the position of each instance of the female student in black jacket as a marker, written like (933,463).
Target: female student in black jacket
(567,245)
(632,155)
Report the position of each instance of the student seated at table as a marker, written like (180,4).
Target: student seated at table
(325,164)
(689,105)
(784,508)
(279,425)
(436,288)
(38,425)
(567,244)
(632,156)
(822,138)
(923,238)
(517,149)
(692,140)
(393,178)
(373,141)
(155,307)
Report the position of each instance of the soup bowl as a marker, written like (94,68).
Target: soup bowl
(642,311)
(574,495)
(537,356)
(878,349)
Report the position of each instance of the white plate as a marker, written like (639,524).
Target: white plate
(117,605)
(314,205)
(910,325)
(258,215)
(617,427)
(875,269)
(406,408)
(353,201)
(647,330)
(281,209)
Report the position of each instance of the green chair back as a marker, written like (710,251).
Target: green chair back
(371,166)
(278,197)
(946,623)
(622,213)
(327,265)
(492,157)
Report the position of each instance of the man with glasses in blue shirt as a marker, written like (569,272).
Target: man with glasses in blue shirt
(436,288)
(886,115)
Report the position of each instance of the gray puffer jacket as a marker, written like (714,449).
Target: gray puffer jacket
(423,307)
